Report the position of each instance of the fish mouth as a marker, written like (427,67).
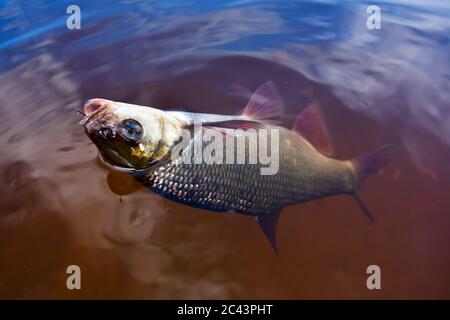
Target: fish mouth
(125,167)
(120,163)
(90,117)
(92,108)
(113,160)
(107,154)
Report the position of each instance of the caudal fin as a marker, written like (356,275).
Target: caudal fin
(372,162)
(368,164)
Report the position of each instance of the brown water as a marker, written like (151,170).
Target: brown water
(59,206)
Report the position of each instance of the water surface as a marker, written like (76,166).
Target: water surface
(59,206)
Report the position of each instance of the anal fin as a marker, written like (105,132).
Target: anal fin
(268,224)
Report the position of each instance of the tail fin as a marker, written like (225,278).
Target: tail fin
(368,164)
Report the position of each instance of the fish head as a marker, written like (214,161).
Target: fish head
(129,137)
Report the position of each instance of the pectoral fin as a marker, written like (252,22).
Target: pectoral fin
(268,224)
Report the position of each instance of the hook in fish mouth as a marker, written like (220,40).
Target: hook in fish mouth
(80,112)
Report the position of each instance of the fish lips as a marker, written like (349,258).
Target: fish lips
(93,108)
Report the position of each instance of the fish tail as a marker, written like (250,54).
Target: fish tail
(372,162)
(369,164)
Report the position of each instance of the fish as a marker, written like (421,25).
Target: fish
(141,141)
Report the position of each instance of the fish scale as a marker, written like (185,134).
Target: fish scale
(304,175)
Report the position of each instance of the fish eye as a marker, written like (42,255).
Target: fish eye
(130,129)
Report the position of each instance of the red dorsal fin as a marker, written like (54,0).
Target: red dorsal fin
(310,126)
(265,104)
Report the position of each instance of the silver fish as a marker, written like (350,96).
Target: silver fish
(140,141)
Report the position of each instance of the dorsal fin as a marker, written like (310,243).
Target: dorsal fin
(309,125)
(265,104)
(268,224)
